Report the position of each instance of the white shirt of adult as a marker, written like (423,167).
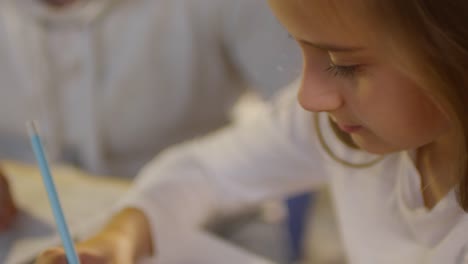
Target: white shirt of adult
(380,209)
(113,82)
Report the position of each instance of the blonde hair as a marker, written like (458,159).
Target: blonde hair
(429,40)
(432,35)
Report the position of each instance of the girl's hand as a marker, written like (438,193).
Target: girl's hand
(104,248)
(8,209)
(124,240)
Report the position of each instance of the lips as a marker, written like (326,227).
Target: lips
(345,124)
(350,128)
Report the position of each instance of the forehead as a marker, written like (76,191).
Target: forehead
(334,21)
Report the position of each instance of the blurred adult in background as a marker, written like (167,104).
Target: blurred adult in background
(113,82)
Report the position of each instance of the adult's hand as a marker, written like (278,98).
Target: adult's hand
(8,209)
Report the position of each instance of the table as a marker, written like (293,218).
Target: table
(86,201)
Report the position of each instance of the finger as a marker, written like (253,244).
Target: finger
(13,211)
(7,206)
(90,258)
(7,216)
(3,225)
(94,256)
(6,198)
(11,208)
(52,256)
(58,256)
(3,179)
(4,186)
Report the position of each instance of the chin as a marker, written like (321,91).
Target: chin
(374,146)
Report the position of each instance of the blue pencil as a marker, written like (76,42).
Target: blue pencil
(72,257)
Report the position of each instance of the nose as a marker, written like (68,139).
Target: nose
(318,94)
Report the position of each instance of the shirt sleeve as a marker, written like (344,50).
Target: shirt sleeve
(270,156)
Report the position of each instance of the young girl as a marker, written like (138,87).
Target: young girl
(387,82)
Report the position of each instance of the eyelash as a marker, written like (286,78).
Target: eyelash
(342,71)
(337,70)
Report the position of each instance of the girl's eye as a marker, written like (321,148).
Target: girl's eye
(342,71)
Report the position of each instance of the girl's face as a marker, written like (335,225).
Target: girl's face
(347,74)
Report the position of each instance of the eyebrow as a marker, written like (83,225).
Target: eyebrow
(331,47)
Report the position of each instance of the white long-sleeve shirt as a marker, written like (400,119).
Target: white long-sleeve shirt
(113,82)
(380,208)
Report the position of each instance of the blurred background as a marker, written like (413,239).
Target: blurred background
(114,82)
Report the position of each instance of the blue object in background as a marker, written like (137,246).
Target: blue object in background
(298,208)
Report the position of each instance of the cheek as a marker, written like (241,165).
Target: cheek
(414,108)
(421,123)
(425,116)
(398,112)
